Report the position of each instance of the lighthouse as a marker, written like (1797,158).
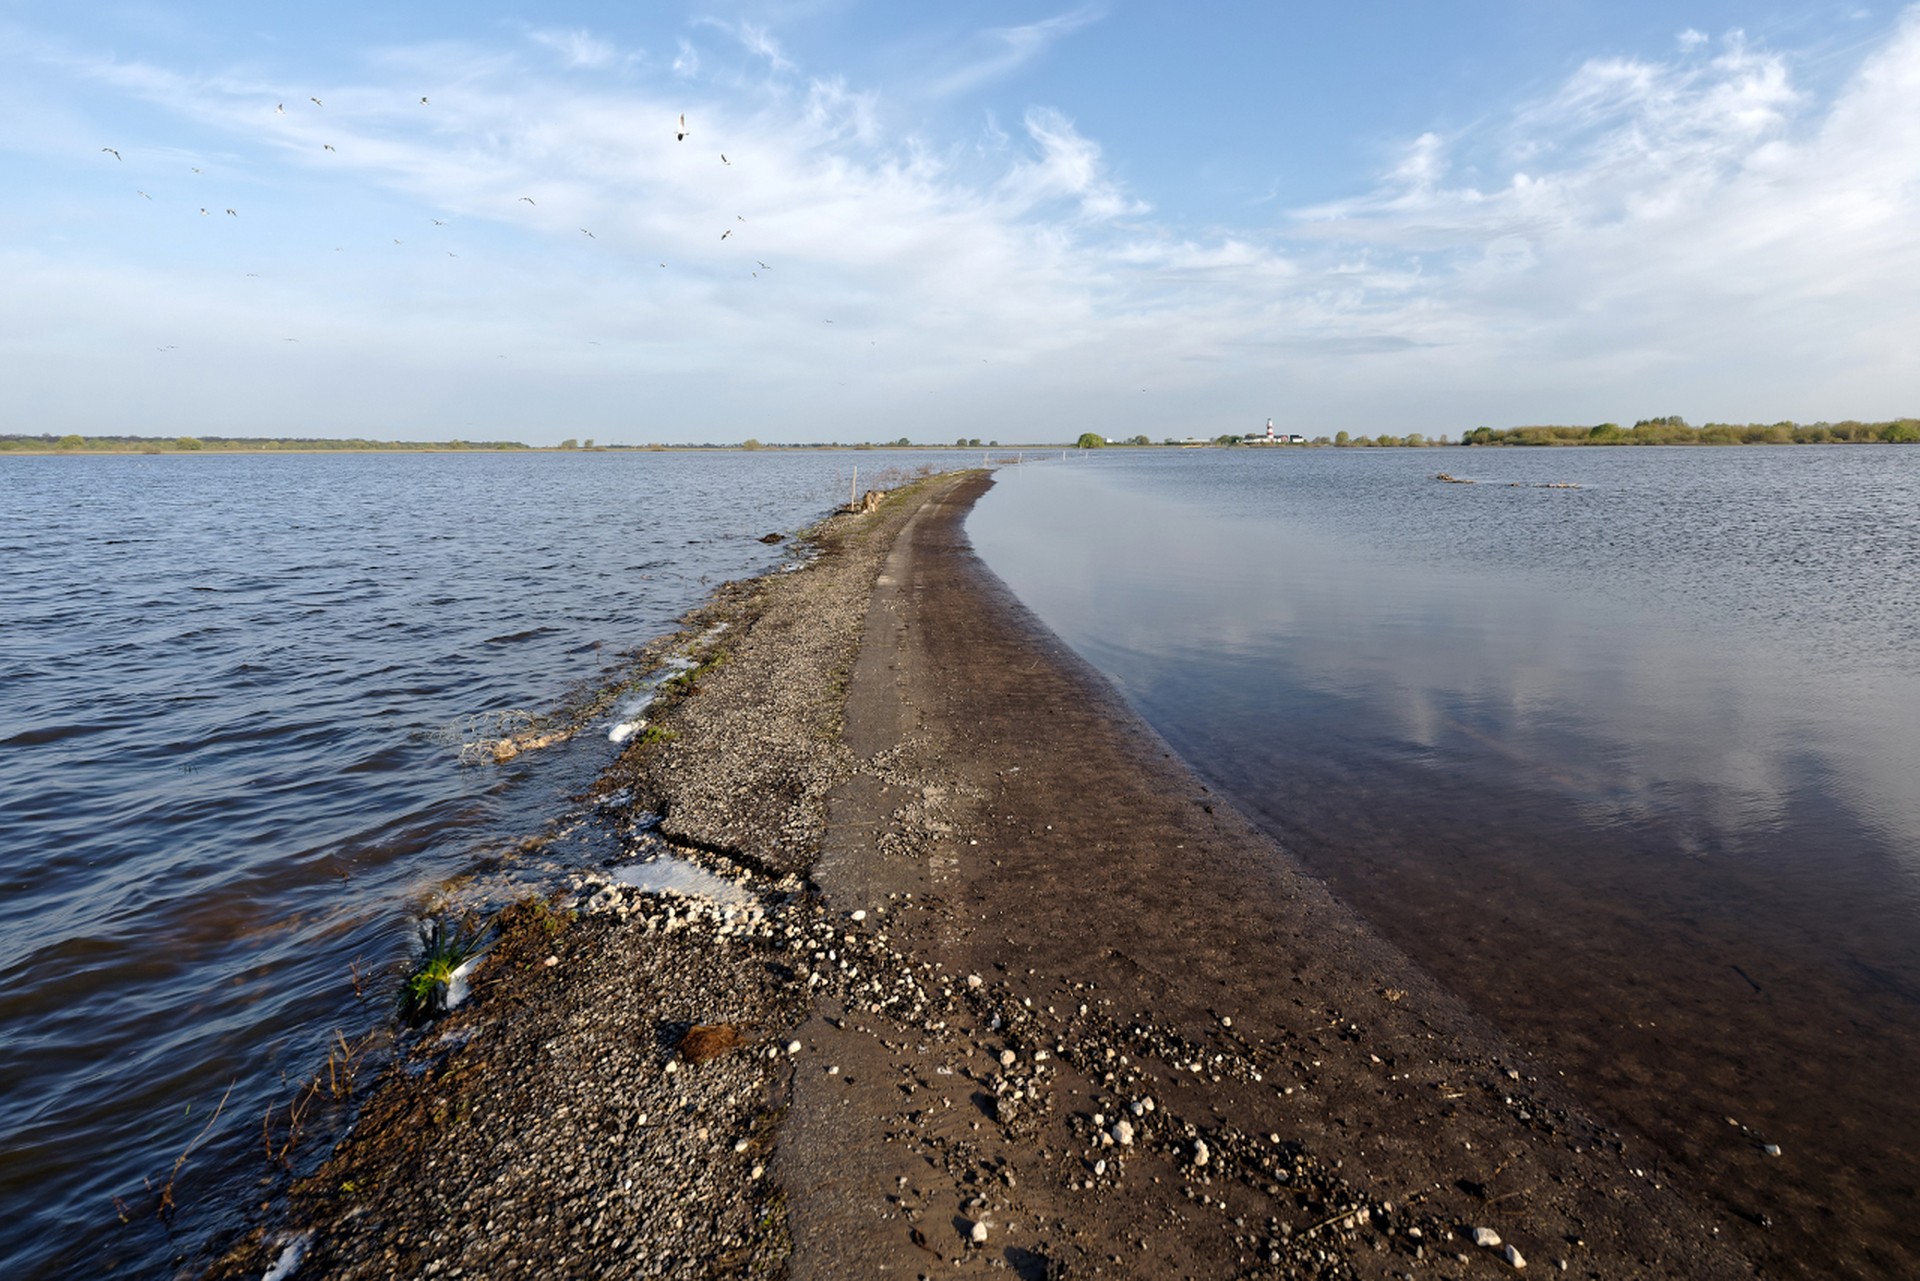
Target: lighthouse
(1270,429)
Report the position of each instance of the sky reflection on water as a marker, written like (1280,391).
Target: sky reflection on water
(1629,767)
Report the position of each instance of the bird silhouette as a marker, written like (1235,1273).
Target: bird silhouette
(424,102)
(726,233)
(196,168)
(327,145)
(588,234)
(143,194)
(316,102)
(279,108)
(528,199)
(724,160)
(681,134)
(438,223)
(110,151)
(232,214)
(203,213)
(763,266)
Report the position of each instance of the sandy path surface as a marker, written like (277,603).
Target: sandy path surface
(1135,939)
(995,985)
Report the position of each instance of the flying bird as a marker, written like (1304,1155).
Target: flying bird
(110,151)
(529,200)
(588,234)
(681,134)
(328,146)
(763,266)
(316,102)
(438,223)
(726,233)
(232,214)
(279,108)
(196,168)
(203,212)
(143,194)
(423,102)
(724,160)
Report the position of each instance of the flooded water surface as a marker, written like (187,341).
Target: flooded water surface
(231,777)
(1629,765)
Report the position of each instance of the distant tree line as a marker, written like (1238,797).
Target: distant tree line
(1673,430)
(229,444)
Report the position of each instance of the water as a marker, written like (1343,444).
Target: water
(1629,765)
(227,789)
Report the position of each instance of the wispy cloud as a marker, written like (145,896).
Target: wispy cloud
(577,48)
(1000,51)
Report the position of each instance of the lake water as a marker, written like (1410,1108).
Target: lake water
(235,690)
(1631,766)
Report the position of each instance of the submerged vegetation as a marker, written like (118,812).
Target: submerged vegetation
(1673,430)
(446,948)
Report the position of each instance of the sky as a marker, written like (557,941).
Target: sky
(1002,221)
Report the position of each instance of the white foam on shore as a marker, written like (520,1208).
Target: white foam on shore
(664,874)
(289,1260)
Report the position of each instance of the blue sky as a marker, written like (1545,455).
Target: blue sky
(1010,221)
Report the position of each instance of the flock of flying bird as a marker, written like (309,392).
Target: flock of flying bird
(681,134)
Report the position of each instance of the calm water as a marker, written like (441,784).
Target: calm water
(1631,766)
(227,777)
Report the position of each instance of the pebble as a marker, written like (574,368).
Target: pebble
(793,1047)
(834,1070)
(1200,1153)
(1514,1257)
(974,980)
(551,961)
(1486,1238)
(860,915)
(1100,1166)
(1006,1058)
(1123,1135)
(979,1233)
(1771,1149)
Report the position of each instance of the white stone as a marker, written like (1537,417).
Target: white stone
(1486,1238)
(1514,1257)
(1123,1133)
(1200,1153)
(1006,1058)
(974,980)
(860,915)
(793,1047)
(979,1233)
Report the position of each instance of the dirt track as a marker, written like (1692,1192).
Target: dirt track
(1058,1010)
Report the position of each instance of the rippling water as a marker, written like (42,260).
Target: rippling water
(1631,765)
(226,781)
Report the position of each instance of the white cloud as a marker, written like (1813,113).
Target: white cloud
(577,48)
(999,51)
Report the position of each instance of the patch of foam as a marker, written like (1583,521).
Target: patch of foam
(629,717)
(289,1260)
(457,982)
(665,874)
